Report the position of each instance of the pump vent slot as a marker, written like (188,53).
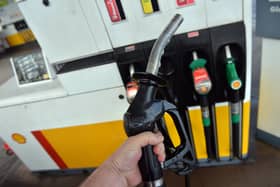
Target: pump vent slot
(155,5)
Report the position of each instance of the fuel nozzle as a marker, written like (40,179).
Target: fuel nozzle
(202,82)
(235,84)
(231,73)
(203,86)
(145,110)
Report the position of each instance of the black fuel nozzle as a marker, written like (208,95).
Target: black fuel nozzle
(146,111)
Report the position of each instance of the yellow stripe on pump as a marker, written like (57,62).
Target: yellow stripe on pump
(198,133)
(245,129)
(147,6)
(86,146)
(223,131)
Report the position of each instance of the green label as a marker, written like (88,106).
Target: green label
(235,118)
(206,122)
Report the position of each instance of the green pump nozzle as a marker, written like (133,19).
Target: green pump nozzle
(231,73)
(234,83)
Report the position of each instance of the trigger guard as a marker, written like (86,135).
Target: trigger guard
(179,164)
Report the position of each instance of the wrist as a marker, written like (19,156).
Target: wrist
(111,168)
(105,175)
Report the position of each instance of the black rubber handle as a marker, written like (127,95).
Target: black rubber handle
(235,139)
(149,165)
(209,142)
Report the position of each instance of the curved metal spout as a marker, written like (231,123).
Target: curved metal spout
(161,43)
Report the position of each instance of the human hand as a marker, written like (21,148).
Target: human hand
(125,160)
(121,169)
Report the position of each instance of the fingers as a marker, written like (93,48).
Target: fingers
(147,138)
(159,150)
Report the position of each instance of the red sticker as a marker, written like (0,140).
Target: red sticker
(113,10)
(200,75)
(184,2)
(189,2)
(193,34)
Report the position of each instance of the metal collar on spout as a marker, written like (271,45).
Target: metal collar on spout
(161,43)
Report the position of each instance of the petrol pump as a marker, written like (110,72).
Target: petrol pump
(98,59)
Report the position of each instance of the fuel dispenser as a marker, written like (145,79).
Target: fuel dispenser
(204,81)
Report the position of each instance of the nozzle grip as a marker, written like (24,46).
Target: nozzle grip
(182,160)
(149,165)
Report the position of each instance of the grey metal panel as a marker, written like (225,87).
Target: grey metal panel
(268,18)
